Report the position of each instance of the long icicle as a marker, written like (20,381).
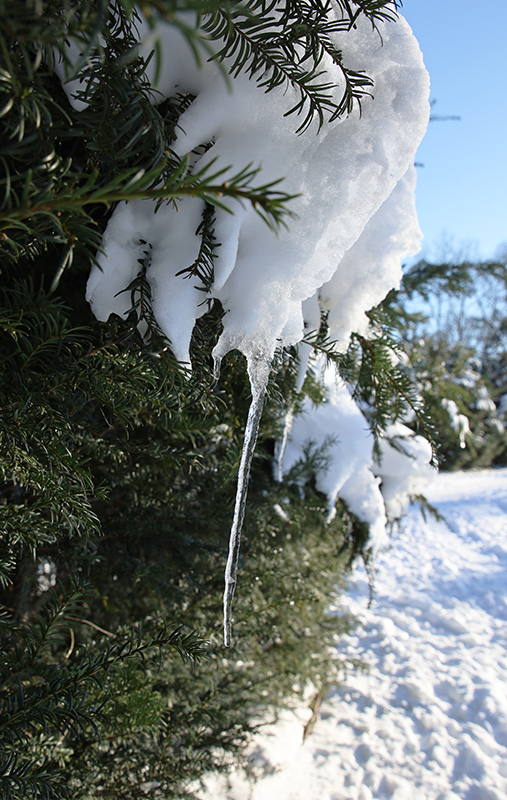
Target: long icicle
(281,447)
(249,442)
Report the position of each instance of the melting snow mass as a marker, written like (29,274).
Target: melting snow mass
(428,721)
(343,173)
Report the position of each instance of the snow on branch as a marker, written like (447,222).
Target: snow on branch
(338,174)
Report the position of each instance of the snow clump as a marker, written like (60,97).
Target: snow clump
(459,422)
(376,490)
(338,431)
(404,468)
(343,173)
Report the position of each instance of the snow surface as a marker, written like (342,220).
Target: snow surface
(429,719)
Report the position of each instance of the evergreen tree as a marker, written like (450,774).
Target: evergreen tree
(117,466)
(450,319)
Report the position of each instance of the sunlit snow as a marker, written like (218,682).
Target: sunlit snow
(349,470)
(459,422)
(344,173)
(404,467)
(428,721)
(339,427)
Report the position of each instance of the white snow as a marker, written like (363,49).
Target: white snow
(429,719)
(372,266)
(459,422)
(344,173)
(373,490)
(346,472)
(404,468)
(485,402)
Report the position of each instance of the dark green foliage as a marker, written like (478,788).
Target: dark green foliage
(203,266)
(51,697)
(59,167)
(203,719)
(80,666)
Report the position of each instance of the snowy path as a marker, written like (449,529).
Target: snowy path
(429,720)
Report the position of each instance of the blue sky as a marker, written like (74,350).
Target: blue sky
(462,188)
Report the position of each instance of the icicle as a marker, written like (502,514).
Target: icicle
(258,380)
(282,446)
(304,352)
(217,362)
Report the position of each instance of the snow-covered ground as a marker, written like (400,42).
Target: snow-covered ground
(429,719)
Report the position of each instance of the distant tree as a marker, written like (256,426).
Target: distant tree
(452,320)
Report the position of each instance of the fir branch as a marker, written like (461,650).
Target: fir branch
(428,510)
(272,42)
(374,10)
(49,627)
(427,279)
(203,267)
(45,696)
(270,203)
(28,778)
